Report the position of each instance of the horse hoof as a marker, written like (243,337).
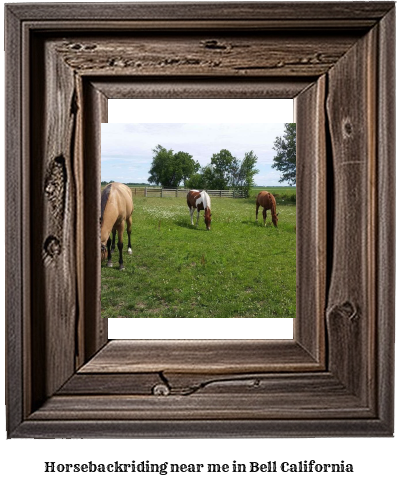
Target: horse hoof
(121,268)
(109,264)
(129,251)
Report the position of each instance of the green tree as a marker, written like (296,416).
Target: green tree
(187,164)
(169,169)
(246,173)
(226,172)
(225,169)
(285,160)
(195,182)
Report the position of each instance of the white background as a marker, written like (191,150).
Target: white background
(374,459)
(190,111)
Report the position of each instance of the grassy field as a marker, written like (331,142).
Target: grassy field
(238,269)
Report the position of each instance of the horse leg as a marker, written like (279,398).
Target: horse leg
(113,239)
(120,244)
(264,216)
(129,231)
(257,209)
(109,263)
(191,209)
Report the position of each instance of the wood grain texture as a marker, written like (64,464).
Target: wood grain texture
(95,330)
(184,384)
(175,87)
(190,428)
(351,307)
(241,54)
(311,219)
(202,407)
(385,245)
(14,261)
(85,53)
(207,11)
(53,238)
(200,356)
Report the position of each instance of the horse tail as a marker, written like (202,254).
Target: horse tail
(104,199)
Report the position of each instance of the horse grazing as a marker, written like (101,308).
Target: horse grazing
(201,201)
(116,208)
(267,201)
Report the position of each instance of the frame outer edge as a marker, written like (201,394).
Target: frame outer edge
(14,264)
(201,429)
(204,11)
(385,313)
(15,270)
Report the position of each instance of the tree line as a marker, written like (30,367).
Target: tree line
(225,171)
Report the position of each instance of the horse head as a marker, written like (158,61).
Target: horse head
(208,218)
(275,219)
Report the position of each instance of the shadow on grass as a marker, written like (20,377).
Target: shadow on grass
(253,223)
(258,224)
(190,227)
(252,202)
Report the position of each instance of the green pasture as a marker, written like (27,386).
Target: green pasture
(238,269)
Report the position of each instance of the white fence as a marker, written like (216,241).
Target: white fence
(178,192)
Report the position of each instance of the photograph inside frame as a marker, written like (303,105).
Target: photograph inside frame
(198,220)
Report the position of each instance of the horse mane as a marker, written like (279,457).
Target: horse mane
(104,199)
(206,200)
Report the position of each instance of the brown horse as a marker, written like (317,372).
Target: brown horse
(116,208)
(267,201)
(201,201)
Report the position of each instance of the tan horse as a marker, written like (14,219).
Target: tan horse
(201,201)
(267,201)
(116,208)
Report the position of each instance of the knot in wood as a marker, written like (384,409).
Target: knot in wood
(161,390)
(50,188)
(213,44)
(346,310)
(52,246)
(347,128)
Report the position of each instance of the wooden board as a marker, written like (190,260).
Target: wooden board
(64,379)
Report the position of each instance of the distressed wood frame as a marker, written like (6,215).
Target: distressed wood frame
(64,379)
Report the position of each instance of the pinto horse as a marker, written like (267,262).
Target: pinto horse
(201,201)
(267,201)
(116,208)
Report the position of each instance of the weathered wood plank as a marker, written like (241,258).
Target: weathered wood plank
(94,113)
(200,356)
(315,405)
(351,309)
(53,239)
(136,384)
(240,55)
(303,12)
(311,219)
(14,209)
(341,427)
(137,87)
(140,384)
(385,275)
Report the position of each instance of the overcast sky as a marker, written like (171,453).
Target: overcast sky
(126,148)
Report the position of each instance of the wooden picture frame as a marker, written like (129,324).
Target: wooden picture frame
(335,378)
